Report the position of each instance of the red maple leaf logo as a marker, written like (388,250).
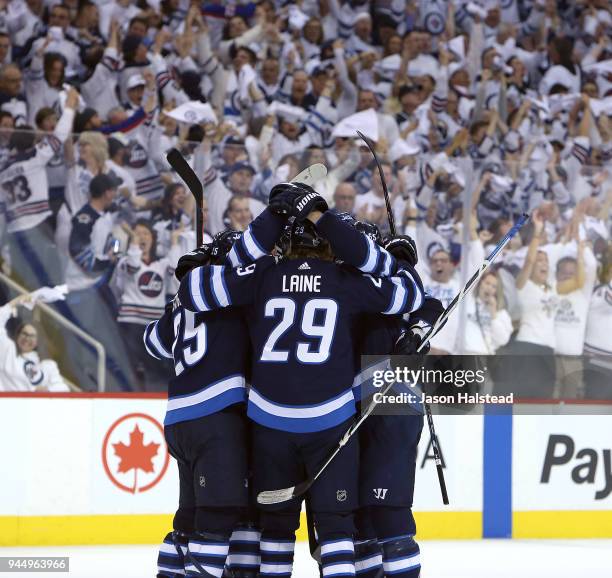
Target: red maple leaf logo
(136,455)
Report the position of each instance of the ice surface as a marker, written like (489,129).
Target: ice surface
(464,559)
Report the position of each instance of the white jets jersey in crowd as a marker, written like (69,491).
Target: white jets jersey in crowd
(143,287)
(25,186)
(24,372)
(144,160)
(24,183)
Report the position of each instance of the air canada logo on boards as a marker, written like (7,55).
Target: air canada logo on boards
(134,453)
(150,284)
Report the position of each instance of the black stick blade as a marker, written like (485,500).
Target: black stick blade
(177,161)
(368,142)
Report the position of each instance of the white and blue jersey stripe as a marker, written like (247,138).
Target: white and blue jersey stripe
(207,377)
(300,418)
(300,315)
(210,349)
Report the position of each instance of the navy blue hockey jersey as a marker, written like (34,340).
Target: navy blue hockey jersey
(301,314)
(376,335)
(211,354)
(210,350)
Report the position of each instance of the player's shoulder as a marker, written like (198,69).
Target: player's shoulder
(257,267)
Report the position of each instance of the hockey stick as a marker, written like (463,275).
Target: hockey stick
(430,423)
(311,175)
(383,182)
(181,166)
(286,494)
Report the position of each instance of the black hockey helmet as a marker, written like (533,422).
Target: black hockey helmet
(302,235)
(222,244)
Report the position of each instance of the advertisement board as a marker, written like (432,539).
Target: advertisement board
(89,469)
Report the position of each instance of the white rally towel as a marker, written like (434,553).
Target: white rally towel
(246,76)
(193,112)
(603,67)
(601,105)
(47,295)
(365,121)
(288,111)
(297,18)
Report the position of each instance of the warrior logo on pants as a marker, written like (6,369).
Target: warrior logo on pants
(380,493)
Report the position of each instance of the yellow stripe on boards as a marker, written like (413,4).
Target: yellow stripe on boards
(562,524)
(151,528)
(83,530)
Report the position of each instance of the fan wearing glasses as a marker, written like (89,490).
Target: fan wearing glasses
(21,368)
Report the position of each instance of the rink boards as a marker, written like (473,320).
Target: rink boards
(86,469)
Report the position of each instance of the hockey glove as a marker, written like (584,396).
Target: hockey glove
(403,248)
(296,200)
(189,261)
(408,344)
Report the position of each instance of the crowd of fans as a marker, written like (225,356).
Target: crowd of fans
(480,110)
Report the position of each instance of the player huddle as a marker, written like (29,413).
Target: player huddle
(267,357)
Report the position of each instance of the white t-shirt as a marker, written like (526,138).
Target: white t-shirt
(447,337)
(538,308)
(598,338)
(484,334)
(571,317)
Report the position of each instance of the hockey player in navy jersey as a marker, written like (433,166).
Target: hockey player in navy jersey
(388,443)
(301,311)
(205,427)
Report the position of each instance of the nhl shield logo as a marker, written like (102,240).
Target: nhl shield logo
(341,495)
(202,481)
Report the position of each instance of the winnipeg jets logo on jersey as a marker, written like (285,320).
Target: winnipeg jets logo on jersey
(380,493)
(33,372)
(138,156)
(150,284)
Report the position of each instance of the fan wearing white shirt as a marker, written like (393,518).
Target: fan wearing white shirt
(443,280)
(531,371)
(571,320)
(487,323)
(598,343)
(21,369)
(58,40)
